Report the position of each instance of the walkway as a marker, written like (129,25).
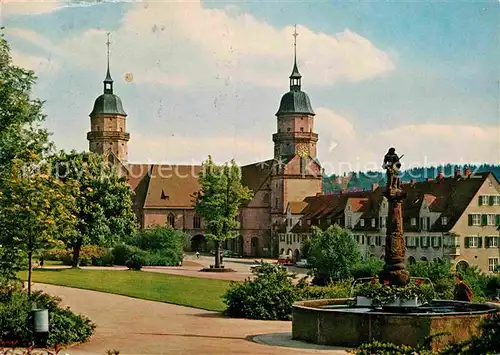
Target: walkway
(138,327)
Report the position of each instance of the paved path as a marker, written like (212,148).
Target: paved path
(138,327)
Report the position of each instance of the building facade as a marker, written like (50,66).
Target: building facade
(454,218)
(165,194)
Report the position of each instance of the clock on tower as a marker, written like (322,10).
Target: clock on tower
(302,150)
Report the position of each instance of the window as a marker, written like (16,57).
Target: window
(349,222)
(308,222)
(496,200)
(474,220)
(473,242)
(328,221)
(383,222)
(425,223)
(378,240)
(362,222)
(196,222)
(411,241)
(413,221)
(490,220)
(288,129)
(302,129)
(436,242)
(452,241)
(289,222)
(373,222)
(492,264)
(171,220)
(484,200)
(444,221)
(276,203)
(425,241)
(492,242)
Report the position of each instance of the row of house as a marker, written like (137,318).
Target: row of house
(456,218)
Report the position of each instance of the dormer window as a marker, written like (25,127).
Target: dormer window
(373,222)
(413,222)
(444,221)
(362,222)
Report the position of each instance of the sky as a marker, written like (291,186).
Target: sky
(208,76)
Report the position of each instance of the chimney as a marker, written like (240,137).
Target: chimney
(374,187)
(458,173)
(468,172)
(440,176)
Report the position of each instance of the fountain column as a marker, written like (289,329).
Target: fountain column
(394,271)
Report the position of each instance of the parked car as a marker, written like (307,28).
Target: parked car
(301,263)
(285,260)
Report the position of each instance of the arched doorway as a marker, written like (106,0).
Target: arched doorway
(296,255)
(411,260)
(462,265)
(289,253)
(282,251)
(199,243)
(254,243)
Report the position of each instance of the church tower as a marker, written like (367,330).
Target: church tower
(297,173)
(108,136)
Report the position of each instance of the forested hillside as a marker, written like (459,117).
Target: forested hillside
(365,180)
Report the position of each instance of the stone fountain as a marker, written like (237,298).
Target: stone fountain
(341,322)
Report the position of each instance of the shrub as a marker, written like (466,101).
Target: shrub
(122,253)
(65,326)
(371,267)
(341,289)
(270,296)
(136,262)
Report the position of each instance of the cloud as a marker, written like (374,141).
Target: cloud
(37,64)
(422,144)
(200,46)
(177,149)
(28,7)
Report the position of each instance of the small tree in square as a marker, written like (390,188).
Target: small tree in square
(35,209)
(103,201)
(332,254)
(219,199)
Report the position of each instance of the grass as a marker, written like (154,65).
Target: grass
(180,290)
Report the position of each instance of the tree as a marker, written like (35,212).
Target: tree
(35,209)
(23,145)
(218,201)
(332,254)
(103,201)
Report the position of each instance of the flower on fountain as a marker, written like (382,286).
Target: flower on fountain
(386,282)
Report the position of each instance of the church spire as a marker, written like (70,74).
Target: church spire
(295,77)
(108,82)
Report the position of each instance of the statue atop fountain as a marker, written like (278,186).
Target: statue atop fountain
(394,271)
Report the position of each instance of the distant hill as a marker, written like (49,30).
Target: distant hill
(365,180)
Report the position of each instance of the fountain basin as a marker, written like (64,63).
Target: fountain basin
(335,322)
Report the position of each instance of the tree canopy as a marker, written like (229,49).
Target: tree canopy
(332,253)
(219,199)
(103,200)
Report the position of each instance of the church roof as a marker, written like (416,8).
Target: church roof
(175,186)
(295,101)
(108,104)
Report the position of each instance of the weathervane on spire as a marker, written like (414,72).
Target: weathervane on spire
(107,44)
(295,34)
(108,82)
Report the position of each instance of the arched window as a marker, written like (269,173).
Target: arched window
(196,222)
(171,220)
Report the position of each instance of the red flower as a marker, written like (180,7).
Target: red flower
(374,281)
(386,282)
(418,282)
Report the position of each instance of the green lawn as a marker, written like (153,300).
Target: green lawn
(181,290)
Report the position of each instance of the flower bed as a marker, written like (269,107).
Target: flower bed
(376,294)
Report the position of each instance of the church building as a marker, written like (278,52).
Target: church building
(164,194)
